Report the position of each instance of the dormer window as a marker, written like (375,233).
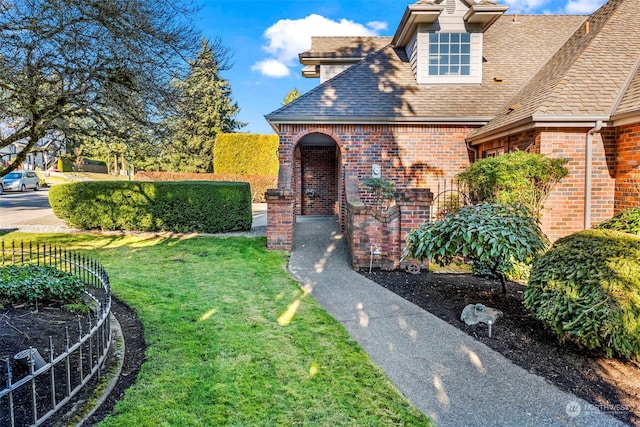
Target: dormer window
(449,54)
(443,39)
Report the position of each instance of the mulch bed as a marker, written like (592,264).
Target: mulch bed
(612,385)
(23,326)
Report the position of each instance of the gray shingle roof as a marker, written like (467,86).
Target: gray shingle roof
(382,88)
(341,47)
(586,77)
(630,101)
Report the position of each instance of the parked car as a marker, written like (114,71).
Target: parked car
(21,181)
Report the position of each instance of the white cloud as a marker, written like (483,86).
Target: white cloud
(271,68)
(583,6)
(289,37)
(524,6)
(377,25)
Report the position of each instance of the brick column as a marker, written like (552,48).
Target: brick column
(414,205)
(280,219)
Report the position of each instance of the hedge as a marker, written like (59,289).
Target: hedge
(246,154)
(181,207)
(259,183)
(586,288)
(627,221)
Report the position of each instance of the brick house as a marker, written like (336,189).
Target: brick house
(457,82)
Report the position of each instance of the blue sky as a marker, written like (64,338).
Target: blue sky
(265,38)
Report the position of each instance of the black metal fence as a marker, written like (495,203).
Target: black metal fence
(53,380)
(450,195)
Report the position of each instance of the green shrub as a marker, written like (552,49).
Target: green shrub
(38,283)
(246,154)
(514,178)
(586,288)
(259,183)
(181,207)
(489,234)
(627,221)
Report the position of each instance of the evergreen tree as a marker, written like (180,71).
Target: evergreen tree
(206,109)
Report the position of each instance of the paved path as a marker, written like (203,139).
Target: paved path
(451,377)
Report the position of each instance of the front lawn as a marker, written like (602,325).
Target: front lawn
(233,340)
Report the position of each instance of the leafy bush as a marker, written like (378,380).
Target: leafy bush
(259,183)
(627,221)
(491,234)
(181,207)
(246,154)
(38,283)
(586,288)
(514,178)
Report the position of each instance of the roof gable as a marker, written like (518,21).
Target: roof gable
(585,78)
(382,87)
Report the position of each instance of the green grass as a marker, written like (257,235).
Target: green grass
(233,340)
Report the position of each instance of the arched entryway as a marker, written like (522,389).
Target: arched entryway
(317,175)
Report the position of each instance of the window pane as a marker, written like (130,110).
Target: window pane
(455,69)
(455,38)
(444,70)
(433,70)
(444,60)
(454,59)
(465,59)
(455,48)
(465,48)
(465,38)
(433,38)
(444,48)
(444,37)
(464,70)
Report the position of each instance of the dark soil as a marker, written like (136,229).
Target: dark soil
(609,384)
(24,326)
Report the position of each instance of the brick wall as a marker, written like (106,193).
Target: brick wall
(412,156)
(627,192)
(564,209)
(370,227)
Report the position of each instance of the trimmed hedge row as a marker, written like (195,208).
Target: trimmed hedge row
(246,154)
(586,288)
(259,183)
(181,207)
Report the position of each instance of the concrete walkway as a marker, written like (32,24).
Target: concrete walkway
(451,377)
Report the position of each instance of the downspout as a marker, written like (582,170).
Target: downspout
(588,166)
(474,150)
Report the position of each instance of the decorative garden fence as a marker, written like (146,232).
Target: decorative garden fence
(52,383)
(450,195)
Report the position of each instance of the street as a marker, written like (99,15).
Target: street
(29,210)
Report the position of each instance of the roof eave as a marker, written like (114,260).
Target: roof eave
(468,121)
(626,118)
(319,59)
(414,15)
(484,14)
(538,121)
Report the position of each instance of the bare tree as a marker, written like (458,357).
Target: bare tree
(70,68)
